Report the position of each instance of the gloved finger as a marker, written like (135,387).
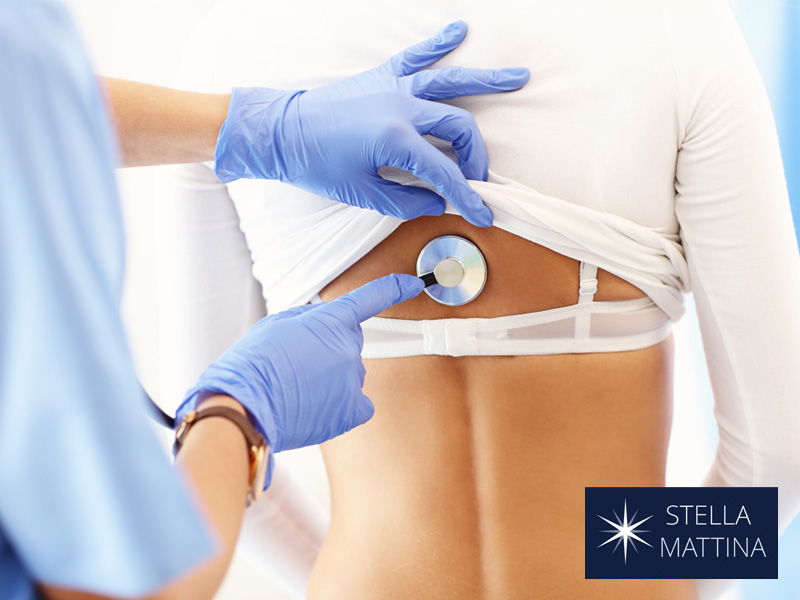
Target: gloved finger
(362,373)
(376,296)
(359,410)
(458,127)
(365,409)
(286,314)
(427,163)
(454,82)
(427,52)
(359,339)
(292,312)
(405,201)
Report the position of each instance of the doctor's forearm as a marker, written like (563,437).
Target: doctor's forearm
(216,458)
(157,125)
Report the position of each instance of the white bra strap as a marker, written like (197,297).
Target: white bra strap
(587,290)
(588,286)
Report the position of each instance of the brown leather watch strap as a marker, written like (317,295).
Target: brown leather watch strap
(257,446)
(253,438)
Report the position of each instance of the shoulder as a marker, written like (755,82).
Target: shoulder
(701,30)
(44,60)
(713,66)
(30,28)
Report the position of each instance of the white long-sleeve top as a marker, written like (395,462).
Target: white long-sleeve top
(651,110)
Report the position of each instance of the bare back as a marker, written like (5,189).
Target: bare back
(469,481)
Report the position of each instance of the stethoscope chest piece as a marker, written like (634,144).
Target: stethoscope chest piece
(453,268)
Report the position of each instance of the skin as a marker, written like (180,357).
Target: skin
(157,125)
(469,480)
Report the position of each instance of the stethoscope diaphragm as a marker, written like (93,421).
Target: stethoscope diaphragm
(453,269)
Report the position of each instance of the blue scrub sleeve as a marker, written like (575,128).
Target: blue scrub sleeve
(88,500)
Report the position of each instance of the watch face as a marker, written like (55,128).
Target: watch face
(258,474)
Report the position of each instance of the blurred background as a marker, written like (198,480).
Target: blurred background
(772,30)
(143,40)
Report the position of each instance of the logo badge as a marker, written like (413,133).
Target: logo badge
(681,533)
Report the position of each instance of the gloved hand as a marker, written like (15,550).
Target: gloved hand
(299,373)
(331,140)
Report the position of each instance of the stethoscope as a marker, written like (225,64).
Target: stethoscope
(454,272)
(155,412)
(453,269)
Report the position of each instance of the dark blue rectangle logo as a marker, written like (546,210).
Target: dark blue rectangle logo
(681,533)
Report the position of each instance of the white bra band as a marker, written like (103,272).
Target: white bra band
(587,326)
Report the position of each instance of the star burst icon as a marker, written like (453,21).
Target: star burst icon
(625,531)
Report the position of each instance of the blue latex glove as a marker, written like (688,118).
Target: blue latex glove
(331,140)
(299,373)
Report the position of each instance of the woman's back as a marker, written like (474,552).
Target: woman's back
(469,480)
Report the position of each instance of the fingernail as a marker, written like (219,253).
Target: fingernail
(455,28)
(518,75)
(435,210)
(484,218)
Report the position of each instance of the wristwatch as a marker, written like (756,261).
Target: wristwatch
(259,450)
